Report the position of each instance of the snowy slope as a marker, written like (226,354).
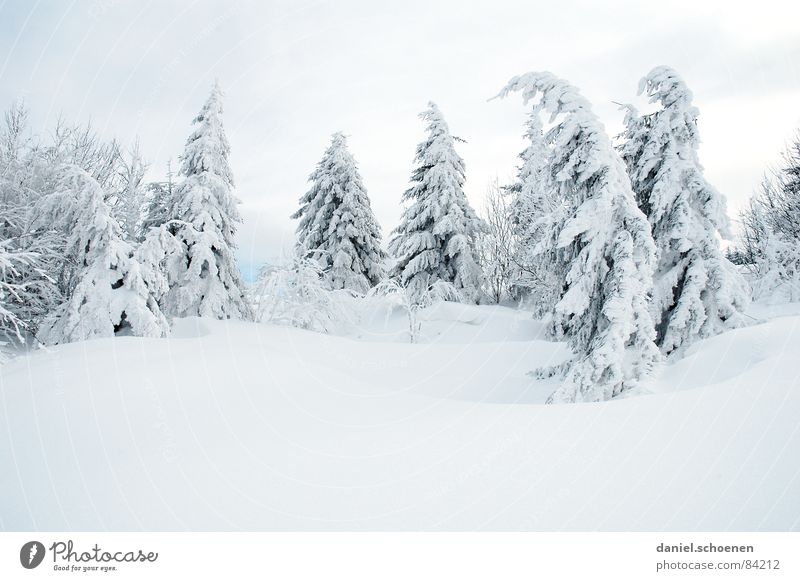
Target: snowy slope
(230,425)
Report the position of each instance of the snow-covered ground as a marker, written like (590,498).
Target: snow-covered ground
(231,425)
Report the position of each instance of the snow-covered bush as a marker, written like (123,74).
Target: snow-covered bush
(12,292)
(770,231)
(32,247)
(413,301)
(697,292)
(776,269)
(300,295)
(337,224)
(107,293)
(600,244)
(496,245)
(437,236)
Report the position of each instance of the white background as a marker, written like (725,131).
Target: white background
(407,556)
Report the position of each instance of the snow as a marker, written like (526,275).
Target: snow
(108,292)
(230,425)
(602,249)
(696,291)
(337,226)
(203,276)
(438,231)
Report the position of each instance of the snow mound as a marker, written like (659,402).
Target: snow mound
(447,322)
(190,328)
(230,425)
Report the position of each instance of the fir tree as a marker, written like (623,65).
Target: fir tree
(337,226)
(530,199)
(437,236)
(108,293)
(203,215)
(601,247)
(157,203)
(697,291)
(534,205)
(131,197)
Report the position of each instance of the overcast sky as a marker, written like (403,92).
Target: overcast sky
(295,72)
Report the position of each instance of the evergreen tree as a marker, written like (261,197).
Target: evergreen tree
(337,226)
(602,250)
(530,199)
(108,293)
(157,203)
(131,197)
(437,236)
(534,204)
(205,281)
(697,291)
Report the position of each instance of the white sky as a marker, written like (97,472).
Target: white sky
(295,72)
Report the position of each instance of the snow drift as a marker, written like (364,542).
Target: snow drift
(230,425)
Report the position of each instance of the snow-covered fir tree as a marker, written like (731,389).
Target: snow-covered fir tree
(337,226)
(130,199)
(697,292)
(529,196)
(108,293)
(534,205)
(158,196)
(437,236)
(158,254)
(602,249)
(203,215)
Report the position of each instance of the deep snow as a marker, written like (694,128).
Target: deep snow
(231,425)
